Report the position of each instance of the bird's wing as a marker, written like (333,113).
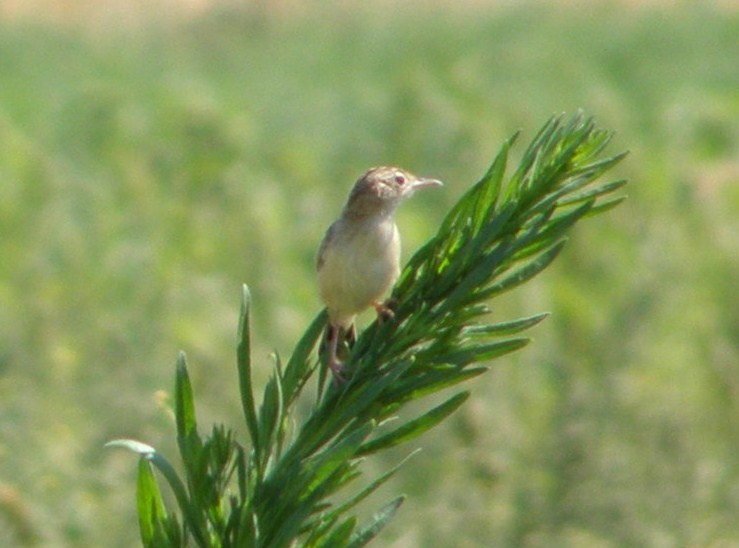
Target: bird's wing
(327,239)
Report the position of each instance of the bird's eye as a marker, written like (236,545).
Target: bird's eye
(399,179)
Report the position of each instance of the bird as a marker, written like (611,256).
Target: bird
(358,260)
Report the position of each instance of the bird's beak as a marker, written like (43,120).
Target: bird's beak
(426,183)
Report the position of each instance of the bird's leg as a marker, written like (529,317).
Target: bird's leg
(351,336)
(334,333)
(384,310)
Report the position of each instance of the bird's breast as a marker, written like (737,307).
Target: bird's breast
(358,267)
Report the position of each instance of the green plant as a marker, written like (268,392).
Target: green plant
(280,488)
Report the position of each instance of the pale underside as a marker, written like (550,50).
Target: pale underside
(357,266)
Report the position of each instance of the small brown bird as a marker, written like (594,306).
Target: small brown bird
(359,257)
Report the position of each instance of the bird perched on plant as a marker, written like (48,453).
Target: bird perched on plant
(359,257)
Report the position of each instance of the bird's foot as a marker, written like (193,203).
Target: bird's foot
(337,370)
(384,310)
(333,334)
(350,336)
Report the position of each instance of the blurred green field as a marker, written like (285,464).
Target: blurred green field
(146,173)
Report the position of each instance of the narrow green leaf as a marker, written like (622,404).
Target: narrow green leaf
(531,232)
(461,210)
(188,439)
(316,532)
(242,477)
(540,140)
(463,316)
(576,179)
(298,368)
(476,278)
(597,141)
(149,503)
(577,139)
(490,188)
(595,192)
(329,420)
(184,402)
(369,489)
(270,414)
(555,229)
(137,447)
(323,374)
(554,197)
(416,427)
(329,460)
(530,159)
(483,352)
(494,228)
(192,518)
(597,168)
(480,199)
(430,383)
(243,355)
(605,205)
(379,521)
(468,256)
(422,256)
(248,531)
(296,500)
(538,178)
(523,274)
(504,328)
(340,535)
(565,218)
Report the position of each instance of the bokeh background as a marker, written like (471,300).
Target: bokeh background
(156,155)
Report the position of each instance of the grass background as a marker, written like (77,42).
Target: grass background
(147,169)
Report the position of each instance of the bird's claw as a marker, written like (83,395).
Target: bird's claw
(336,367)
(337,370)
(384,310)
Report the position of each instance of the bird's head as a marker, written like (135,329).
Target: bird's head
(381,189)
